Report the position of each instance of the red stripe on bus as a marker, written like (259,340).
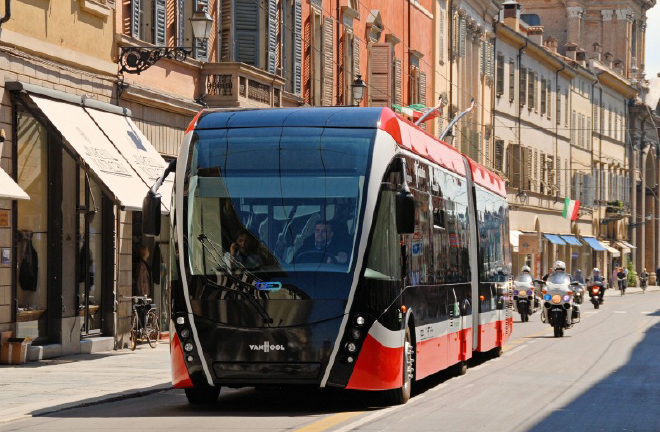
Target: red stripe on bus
(439,353)
(193,122)
(377,368)
(180,377)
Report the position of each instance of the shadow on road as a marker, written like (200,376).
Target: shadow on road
(627,399)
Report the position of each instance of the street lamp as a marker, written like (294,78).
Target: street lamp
(134,60)
(358,87)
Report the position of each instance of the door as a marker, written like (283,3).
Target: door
(455,333)
(90,255)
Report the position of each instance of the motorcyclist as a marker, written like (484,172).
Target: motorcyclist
(559,268)
(577,276)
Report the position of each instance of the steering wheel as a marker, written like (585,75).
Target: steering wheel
(310,256)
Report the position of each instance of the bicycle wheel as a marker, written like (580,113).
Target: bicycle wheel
(134,331)
(152,329)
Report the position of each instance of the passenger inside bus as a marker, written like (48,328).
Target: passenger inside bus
(323,246)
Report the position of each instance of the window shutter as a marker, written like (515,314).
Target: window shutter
(441,42)
(200,47)
(455,34)
(551,174)
(535,169)
(422,88)
(482,57)
(271,55)
(490,70)
(380,61)
(499,155)
(226,21)
(297,47)
(356,57)
(246,32)
(558,107)
(135,19)
(573,126)
(181,28)
(558,177)
(328,67)
(548,98)
(398,78)
(512,80)
(588,133)
(499,88)
(527,168)
(160,25)
(522,91)
(462,35)
(487,156)
(566,177)
(542,179)
(542,96)
(515,165)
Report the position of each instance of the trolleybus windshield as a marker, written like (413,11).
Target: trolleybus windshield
(275,201)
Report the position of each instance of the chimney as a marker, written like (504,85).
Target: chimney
(608,59)
(571,50)
(597,51)
(551,44)
(511,14)
(581,56)
(618,66)
(535,34)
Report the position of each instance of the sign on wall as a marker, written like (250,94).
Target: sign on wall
(528,244)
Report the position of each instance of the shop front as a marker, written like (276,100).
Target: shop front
(86,168)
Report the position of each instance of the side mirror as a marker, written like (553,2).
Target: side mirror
(151,214)
(405,212)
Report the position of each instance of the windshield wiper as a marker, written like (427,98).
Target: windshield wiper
(246,289)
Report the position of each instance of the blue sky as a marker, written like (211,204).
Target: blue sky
(652,38)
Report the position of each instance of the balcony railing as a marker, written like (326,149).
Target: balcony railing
(232,84)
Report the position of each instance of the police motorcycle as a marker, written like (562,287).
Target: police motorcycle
(525,300)
(559,306)
(578,291)
(596,288)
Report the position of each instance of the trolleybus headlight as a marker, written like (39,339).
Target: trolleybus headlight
(359,320)
(180,320)
(190,359)
(351,347)
(355,334)
(185,333)
(188,347)
(350,359)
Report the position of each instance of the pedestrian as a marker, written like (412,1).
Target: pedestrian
(657,276)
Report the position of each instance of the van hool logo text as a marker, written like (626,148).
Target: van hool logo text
(267,347)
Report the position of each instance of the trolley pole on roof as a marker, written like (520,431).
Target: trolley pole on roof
(442,102)
(456,119)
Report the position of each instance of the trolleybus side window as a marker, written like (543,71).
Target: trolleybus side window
(384,261)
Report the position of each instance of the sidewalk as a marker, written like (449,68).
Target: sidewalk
(45,386)
(630,290)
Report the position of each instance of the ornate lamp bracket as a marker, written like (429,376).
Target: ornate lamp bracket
(134,60)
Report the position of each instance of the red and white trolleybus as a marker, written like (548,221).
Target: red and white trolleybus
(339,247)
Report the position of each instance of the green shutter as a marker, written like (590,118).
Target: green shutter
(160,25)
(201,47)
(246,32)
(181,27)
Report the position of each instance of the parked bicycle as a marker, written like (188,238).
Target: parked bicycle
(144,322)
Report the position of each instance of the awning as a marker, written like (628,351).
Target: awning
(9,189)
(84,138)
(628,245)
(571,240)
(137,150)
(594,243)
(555,239)
(514,237)
(623,247)
(615,252)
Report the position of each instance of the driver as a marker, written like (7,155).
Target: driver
(323,244)
(526,269)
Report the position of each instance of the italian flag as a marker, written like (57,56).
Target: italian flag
(571,208)
(416,111)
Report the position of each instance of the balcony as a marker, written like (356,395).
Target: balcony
(239,85)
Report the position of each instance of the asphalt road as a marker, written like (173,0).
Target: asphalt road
(603,375)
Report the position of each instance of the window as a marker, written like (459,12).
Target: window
(500,74)
(347,72)
(200,49)
(531,86)
(316,58)
(523,86)
(543,95)
(609,121)
(548,98)
(573,127)
(558,105)
(380,76)
(512,80)
(148,21)
(566,111)
(441,38)
(499,155)
(536,91)
(291,55)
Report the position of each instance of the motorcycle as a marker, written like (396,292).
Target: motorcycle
(559,308)
(596,293)
(524,296)
(578,293)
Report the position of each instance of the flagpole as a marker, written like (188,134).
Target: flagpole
(456,119)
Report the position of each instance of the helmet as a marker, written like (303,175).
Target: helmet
(559,265)
(596,270)
(526,269)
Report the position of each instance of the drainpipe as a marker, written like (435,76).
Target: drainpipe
(520,50)
(5,18)
(450,15)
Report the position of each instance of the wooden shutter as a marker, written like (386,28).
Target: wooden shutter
(422,88)
(246,31)
(271,54)
(530,89)
(536,90)
(380,75)
(135,19)
(500,74)
(482,57)
(356,57)
(542,96)
(200,47)
(328,67)
(160,22)
(543,185)
(512,80)
(527,168)
(514,165)
(462,36)
(297,47)
(558,176)
(441,31)
(499,155)
(550,160)
(398,77)
(558,107)
(226,23)
(535,175)
(522,91)
(180,23)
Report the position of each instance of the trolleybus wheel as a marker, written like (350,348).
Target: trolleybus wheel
(461,368)
(202,395)
(401,395)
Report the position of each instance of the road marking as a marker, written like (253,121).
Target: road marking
(374,416)
(646,312)
(330,421)
(620,312)
(516,349)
